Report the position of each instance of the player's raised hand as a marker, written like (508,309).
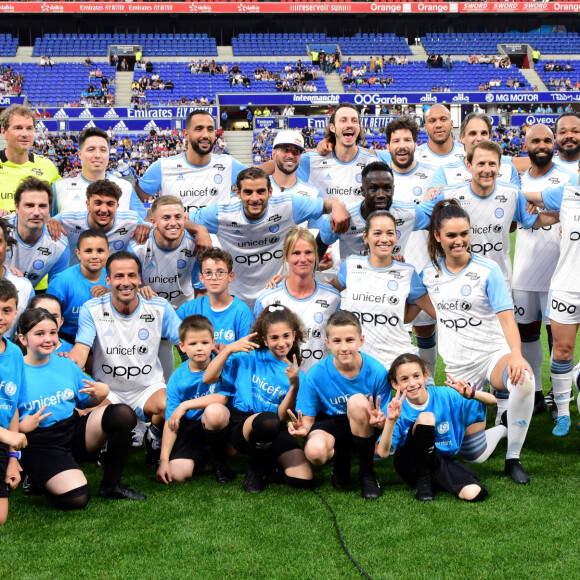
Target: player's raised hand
(433,193)
(377,417)
(30,422)
(147,292)
(141,233)
(99,290)
(55,229)
(461,386)
(245,344)
(276,279)
(395,405)
(296,427)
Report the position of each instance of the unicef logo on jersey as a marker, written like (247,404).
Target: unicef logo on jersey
(229,335)
(443,428)
(218,178)
(274,228)
(393,285)
(417,190)
(118,245)
(38,264)
(181,264)
(466,290)
(10,388)
(213,191)
(499,212)
(318,317)
(68,395)
(143,334)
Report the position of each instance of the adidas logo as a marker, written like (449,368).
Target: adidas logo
(109,332)
(150,265)
(86,114)
(180,177)
(111,114)
(77,196)
(89,124)
(237,233)
(521,423)
(61,114)
(120,126)
(150,125)
(328,177)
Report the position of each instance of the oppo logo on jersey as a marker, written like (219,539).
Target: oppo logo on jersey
(486,248)
(169,296)
(126,372)
(376,319)
(260,258)
(459,323)
(315,354)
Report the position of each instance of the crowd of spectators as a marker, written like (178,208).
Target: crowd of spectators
(10,81)
(559,84)
(557,67)
(498,60)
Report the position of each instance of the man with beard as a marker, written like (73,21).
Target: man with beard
(537,253)
(567,130)
(412,178)
(197,177)
(475,127)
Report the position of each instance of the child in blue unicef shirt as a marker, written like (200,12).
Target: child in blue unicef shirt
(11,382)
(264,369)
(231,318)
(59,438)
(54,306)
(427,427)
(336,411)
(83,281)
(196,413)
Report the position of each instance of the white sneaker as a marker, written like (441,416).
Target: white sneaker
(139,433)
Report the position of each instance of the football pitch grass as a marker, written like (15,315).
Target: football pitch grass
(201,529)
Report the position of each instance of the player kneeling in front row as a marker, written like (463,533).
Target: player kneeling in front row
(59,437)
(427,426)
(259,367)
(196,413)
(335,406)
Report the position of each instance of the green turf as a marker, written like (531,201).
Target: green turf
(203,530)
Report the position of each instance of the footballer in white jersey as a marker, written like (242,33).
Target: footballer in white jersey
(457,172)
(378,298)
(125,347)
(333,177)
(70,195)
(299,188)
(195,186)
(46,256)
(313,311)
(171,274)
(256,246)
(467,305)
(537,251)
(491,218)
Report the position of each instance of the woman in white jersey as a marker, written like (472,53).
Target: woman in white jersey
(311,300)
(378,288)
(478,336)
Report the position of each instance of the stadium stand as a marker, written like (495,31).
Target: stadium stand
(153,44)
(556,75)
(486,42)
(8,45)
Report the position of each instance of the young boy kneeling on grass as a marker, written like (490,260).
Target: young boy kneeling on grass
(336,410)
(196,413)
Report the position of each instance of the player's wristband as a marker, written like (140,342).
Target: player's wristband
(15,454)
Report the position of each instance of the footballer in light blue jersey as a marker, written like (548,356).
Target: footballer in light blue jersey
(326,391)
(229,325)
(185,385)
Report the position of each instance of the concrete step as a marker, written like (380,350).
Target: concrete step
(534,78)
(240,145)
(333,83)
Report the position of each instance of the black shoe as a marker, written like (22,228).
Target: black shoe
(369,486)
(223,473)
(340,481)
(29,489)
(514,469)
(540,404)
(549,399)
(152,449)
(254,481)
(424,490)
(119,490)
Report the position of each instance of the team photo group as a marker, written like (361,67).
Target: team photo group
(291,313)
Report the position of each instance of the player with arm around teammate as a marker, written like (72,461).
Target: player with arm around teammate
(313,301)
(427,426)
(196,412)
(264,368)
(475,320)
(336,410)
